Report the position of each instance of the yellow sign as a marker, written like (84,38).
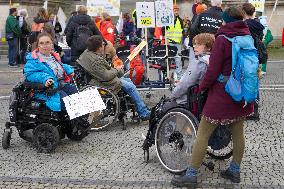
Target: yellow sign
(137,50)
(258,4)
(146,21)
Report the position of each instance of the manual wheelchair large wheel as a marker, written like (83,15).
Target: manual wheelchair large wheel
(220,145)
(174,139)
(104,118)
(46,138)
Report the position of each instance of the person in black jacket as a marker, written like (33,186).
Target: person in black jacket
(209,21)
(73,36)
(24,37)
(256,30)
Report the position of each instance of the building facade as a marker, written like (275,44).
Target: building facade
(276,24)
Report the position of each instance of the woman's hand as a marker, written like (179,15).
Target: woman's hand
(49,82)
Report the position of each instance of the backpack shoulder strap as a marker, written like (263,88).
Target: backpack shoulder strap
(228,38)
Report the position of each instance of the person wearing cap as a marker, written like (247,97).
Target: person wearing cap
(220,109)
(175,35)
(208,21)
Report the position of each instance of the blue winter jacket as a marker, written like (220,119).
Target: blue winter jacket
(37,71)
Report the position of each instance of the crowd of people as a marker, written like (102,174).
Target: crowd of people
(91,39)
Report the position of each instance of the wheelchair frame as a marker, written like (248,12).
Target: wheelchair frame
(193,108)
(47,127)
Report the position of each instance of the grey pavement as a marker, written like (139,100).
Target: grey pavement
(113,158)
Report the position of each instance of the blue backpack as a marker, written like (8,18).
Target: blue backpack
(243,83)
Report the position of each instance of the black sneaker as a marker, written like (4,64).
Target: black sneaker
(145,118)
(234,177)
(253,117)
(184,181)
(13,66)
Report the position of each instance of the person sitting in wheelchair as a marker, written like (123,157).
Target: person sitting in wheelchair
(104,75)
(198,62)
(43,66)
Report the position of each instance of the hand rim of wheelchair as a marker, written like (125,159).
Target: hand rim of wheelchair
(192,126)
(94,125)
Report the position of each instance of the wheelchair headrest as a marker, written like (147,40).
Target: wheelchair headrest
(160,51)
(123,51)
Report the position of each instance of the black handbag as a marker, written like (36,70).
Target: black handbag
(9,36)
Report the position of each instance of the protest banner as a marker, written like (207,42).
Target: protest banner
(137,50)
(84,102)
(97,7)
(258,4)
(145,14)
(164,13)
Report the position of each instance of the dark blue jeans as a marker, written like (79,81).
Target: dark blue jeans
(67,90)
(13,51)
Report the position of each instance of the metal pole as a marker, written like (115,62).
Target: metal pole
(274,8)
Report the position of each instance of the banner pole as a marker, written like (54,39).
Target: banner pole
(273,10)
(147,54)
(167,53)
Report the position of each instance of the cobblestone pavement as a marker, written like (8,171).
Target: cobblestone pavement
(113,158)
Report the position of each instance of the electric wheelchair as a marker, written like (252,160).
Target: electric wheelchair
(173,130)
(119,107)
(36,123)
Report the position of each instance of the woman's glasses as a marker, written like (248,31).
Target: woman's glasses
(45,44)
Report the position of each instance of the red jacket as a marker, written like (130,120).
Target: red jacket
(220,107)
(107,30)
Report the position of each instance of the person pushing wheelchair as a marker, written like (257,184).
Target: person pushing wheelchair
(104,75)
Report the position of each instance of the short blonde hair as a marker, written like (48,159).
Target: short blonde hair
(82,9)
(206,39)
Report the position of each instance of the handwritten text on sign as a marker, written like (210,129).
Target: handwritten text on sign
(164,13)
(145,14)
(258,4)
(82,103)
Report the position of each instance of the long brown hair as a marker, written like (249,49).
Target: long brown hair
(42,13)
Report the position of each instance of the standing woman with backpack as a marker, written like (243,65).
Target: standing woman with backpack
(220,108)
(79,30)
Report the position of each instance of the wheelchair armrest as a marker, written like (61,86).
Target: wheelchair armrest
(35,86)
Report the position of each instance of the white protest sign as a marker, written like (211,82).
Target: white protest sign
(164,13)
(97,7)
(258,4)
(145,12)
(84,102)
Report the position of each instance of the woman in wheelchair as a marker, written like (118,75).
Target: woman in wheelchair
(198,62)
(104,75)
(43,66)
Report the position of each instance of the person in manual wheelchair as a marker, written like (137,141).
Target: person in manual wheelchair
(44,68)
(104,75)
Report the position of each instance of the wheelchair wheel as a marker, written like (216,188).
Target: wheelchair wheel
(6,139)
(45,138)
(175,135)
(220,145)
(79,129)
(104,118)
